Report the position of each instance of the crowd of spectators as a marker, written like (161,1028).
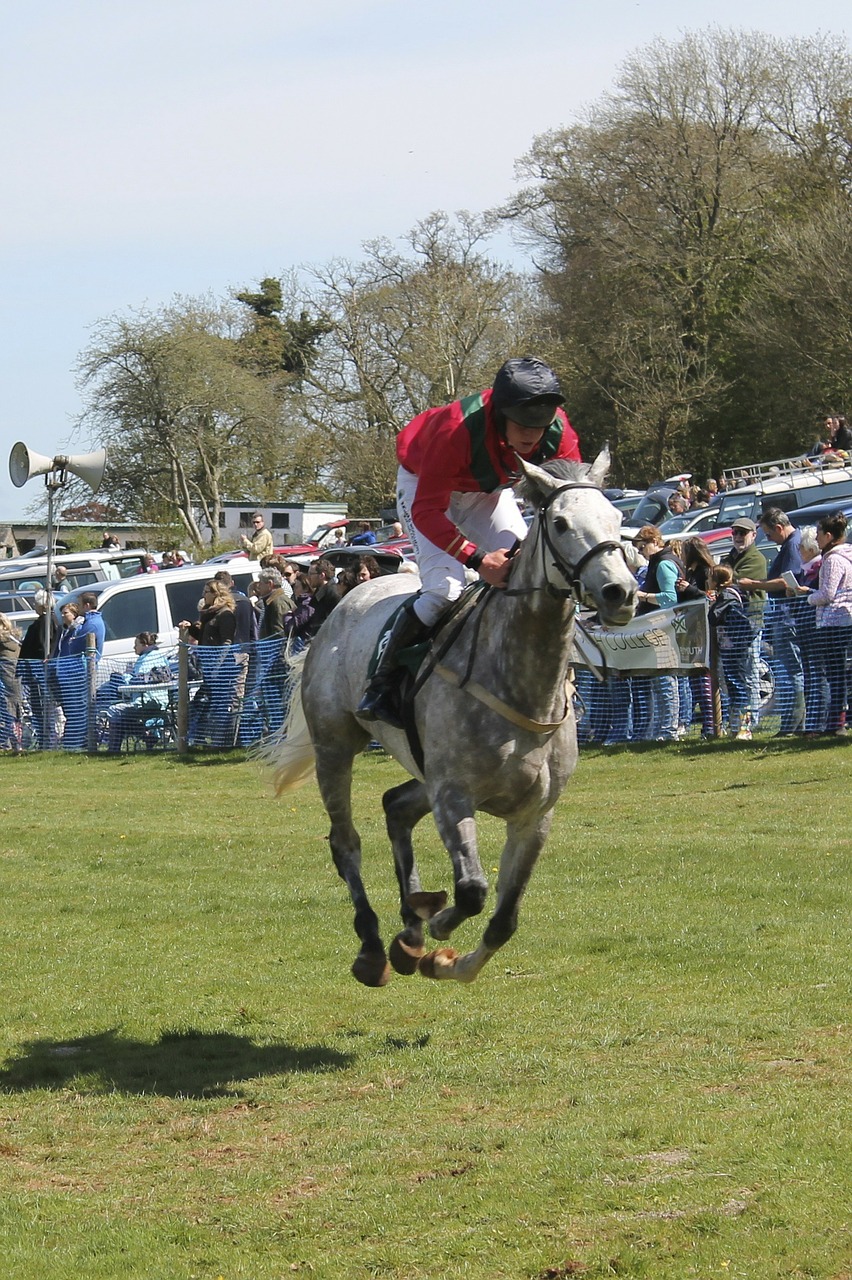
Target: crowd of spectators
(796,615)
(239,648)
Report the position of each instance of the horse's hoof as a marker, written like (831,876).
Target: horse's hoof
(440,963)
(403,957)
(427,905)
(371,969)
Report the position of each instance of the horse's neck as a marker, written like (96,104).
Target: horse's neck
(524,650)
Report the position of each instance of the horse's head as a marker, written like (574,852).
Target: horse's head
(578,532)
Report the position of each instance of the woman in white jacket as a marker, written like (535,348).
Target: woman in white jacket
(833,602)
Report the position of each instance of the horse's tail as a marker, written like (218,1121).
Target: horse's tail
(290,753)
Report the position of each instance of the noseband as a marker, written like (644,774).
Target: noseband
(570,571)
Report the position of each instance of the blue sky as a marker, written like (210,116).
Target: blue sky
(190,146)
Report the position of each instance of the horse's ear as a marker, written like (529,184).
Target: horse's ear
(599,468)
(536,484)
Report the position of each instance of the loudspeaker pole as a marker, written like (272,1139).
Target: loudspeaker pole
(24,465)
(53,480)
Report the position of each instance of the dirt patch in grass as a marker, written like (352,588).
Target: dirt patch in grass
(665,1158)
(570,1268)
(455,1171)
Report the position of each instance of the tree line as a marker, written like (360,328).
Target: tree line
(690,263)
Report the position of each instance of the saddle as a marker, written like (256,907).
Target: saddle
(416,662)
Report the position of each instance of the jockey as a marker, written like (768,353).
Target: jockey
(453,496)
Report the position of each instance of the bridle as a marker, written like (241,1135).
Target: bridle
(570,571)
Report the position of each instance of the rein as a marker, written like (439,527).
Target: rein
(570,571)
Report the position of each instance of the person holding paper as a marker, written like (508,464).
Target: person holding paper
(781,622)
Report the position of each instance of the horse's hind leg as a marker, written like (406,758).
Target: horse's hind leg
(457,828)
(404,806)
(334,774)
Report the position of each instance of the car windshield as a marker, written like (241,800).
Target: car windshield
(692,520)
(674,524)
(735,505)
(651,509)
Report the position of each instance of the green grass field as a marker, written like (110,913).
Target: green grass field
(652,1079)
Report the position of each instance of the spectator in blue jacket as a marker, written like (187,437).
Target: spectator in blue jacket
(366,538)
(92,625)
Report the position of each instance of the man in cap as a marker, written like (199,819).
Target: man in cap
(747,562)
(457,464)
(781,620)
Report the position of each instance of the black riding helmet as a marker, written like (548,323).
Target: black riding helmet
(527,391)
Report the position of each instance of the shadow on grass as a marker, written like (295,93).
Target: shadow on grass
(190,1063)
(197,757)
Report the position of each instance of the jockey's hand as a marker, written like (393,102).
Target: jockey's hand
(495,568)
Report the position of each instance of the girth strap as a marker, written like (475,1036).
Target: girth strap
(502,708)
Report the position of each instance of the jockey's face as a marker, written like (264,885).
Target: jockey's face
(524,440)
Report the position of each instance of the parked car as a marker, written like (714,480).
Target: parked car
(19,609)
(699,520)
(84,568)
(789,483)
(800,518)
(626,503)
(151,602)
(323,536)
(653,508)
(341,557)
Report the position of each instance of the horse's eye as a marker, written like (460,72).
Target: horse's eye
(560,524)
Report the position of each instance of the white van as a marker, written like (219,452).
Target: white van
(786,483)
(151,602)
(84,568)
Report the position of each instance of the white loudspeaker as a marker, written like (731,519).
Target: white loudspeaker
(24,464)
(88,466)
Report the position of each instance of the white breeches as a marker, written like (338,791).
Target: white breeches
(491,520)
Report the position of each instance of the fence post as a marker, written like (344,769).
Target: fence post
(183,696)
(714,684)
(91,693)
(48,710)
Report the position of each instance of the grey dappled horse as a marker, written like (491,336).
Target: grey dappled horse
(504,742)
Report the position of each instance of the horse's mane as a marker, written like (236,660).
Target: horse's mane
(560,469)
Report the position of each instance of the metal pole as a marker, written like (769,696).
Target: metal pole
(47,710)
(51,487)
(183,695)
(91,693)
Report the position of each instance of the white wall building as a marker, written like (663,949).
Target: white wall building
(289,522)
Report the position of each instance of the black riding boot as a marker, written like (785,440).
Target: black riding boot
(378,702)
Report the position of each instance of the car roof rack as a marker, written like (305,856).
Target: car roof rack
(779,469)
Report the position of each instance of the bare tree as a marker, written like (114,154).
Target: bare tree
(186,424)
(411,328)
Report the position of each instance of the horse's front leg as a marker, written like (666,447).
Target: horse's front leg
(334,775)
(404,806)
(457,828)
(524,842)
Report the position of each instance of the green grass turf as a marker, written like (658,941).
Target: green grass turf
(652,1079)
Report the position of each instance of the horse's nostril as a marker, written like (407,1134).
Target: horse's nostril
(613,593)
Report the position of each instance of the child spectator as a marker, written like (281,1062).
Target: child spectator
(729,616)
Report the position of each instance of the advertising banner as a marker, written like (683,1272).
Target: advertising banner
(675,640)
